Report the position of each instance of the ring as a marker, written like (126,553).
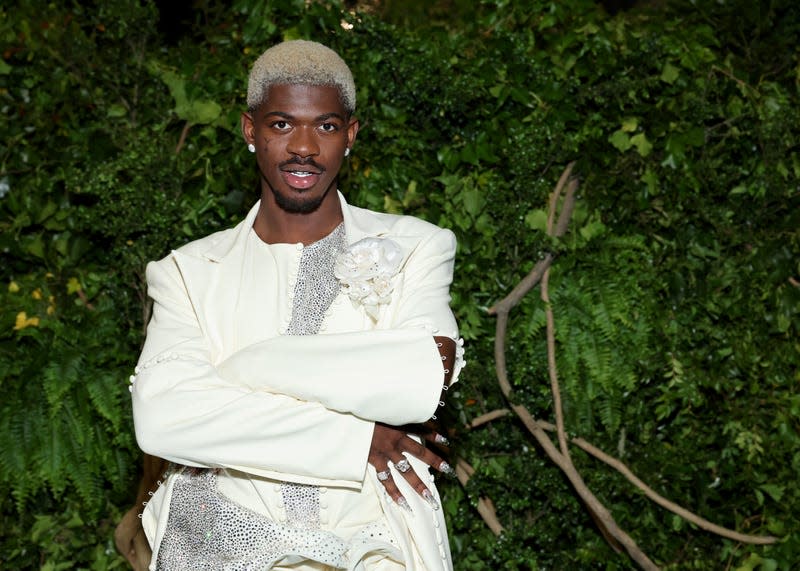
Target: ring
(384,475)
(403,465)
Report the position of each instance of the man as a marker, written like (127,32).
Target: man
(283,355)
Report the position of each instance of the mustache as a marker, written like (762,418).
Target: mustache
(309,162)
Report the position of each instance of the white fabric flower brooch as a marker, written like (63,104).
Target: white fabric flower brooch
(365,271)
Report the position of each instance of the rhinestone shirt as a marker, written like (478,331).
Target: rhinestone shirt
(207,531)
(314,291)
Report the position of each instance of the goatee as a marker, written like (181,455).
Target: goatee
(299,205)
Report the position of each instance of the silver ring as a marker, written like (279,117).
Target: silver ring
(384,475)
(403,465)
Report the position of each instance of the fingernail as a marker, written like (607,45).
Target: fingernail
(445,468)
(439,439)
(404,504)
(431,500)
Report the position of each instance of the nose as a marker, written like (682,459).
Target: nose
(303,143)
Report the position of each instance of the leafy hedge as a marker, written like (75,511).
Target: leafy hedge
(675,292)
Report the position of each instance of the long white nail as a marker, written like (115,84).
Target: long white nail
(445,468)
(401,501)
(431,500)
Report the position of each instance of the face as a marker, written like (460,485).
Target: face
(300,133)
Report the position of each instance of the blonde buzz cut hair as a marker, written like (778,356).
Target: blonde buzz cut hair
(300,62)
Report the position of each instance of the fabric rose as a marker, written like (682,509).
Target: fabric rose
(365,271)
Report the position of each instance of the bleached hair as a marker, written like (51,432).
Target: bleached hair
(304,63)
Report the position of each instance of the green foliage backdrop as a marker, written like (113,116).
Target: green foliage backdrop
(676,292)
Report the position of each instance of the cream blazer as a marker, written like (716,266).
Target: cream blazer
(217,385)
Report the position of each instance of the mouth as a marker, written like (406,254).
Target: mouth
(300,179)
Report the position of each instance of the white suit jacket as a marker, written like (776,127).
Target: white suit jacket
(217,385)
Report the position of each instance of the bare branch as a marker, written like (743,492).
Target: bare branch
(182,139)
(562,459)
(523,287)
(700,522)
(535,275)
(553,202)
(500,353)
(485,506)
(622,468)
(551,327)
(552,370)
(489,417)
(592,503)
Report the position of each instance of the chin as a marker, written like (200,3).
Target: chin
(298,203)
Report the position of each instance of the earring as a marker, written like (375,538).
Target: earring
(347,152)
(251,147)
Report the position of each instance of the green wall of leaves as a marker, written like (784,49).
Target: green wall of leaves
(676,291)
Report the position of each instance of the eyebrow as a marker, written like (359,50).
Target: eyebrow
(323,117)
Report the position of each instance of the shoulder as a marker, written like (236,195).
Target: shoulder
(165,267)
(404,225)
(216,246)
(198,248)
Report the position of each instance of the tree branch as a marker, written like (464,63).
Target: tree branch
(485,506)
(623,469)
(182,139)
(561,456)
(562,460)
(489,417)
(700,522)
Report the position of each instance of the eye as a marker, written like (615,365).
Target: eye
(280,125)
(329,127)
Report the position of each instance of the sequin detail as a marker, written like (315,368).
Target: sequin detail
(302,505)
(211,532)
(316,285)
(314,292)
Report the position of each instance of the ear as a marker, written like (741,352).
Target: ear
(248,128)
(352,131)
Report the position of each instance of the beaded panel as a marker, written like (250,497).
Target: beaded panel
(314,291)
(316,286)
(209,531)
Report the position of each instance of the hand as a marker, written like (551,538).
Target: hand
(388,445)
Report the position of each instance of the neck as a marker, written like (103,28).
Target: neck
(274,225)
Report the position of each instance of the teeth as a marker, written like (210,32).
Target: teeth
(301,173)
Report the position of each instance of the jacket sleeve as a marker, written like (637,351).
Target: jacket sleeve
(393,374)
(186,412)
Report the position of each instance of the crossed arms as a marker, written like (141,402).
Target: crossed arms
(298,409)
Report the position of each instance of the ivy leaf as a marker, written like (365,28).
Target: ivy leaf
(473,201)
(592,230)
(620,140)
(201,112)
(116,111)
(670,73)
(537,220)
(198,112)
(650,178)
(629,125)
(643,146)
(774,491)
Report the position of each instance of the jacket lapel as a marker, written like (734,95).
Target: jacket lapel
(360,223)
